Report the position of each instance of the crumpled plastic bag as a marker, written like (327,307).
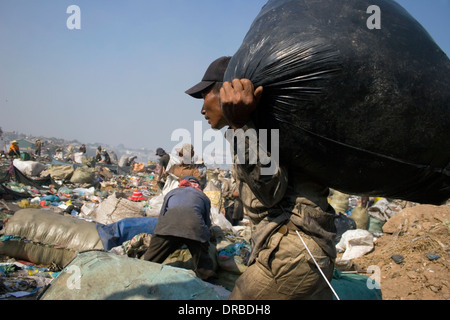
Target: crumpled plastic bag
(61,172)
(234,257)
(82,175)
(154,206)
(114,209)
(384,209)
(30,168)
(355,243)
(218,219)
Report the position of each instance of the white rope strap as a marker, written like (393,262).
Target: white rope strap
(317,265)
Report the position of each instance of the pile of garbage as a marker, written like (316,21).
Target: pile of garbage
(53,215)
(359,222)
(21,279)
(403,245)
(52,225)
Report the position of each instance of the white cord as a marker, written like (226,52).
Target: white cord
(317,265)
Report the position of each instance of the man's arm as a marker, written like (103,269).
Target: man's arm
(159,173)
(239,100)
(226,190)
(207,213)
(269,189)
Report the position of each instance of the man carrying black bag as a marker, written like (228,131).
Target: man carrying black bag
(292,223)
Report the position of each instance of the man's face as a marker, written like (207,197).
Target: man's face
(212,111)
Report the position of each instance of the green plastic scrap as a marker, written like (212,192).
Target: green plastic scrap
(6,268)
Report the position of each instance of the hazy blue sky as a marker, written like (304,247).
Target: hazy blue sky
(121,78)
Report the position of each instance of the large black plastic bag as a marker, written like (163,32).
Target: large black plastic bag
(364,111)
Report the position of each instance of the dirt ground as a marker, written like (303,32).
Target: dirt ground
(419,234)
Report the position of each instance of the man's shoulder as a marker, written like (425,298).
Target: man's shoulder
(191,191)
(165,158)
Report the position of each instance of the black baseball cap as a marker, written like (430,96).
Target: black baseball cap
(160,152)
(213,74)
